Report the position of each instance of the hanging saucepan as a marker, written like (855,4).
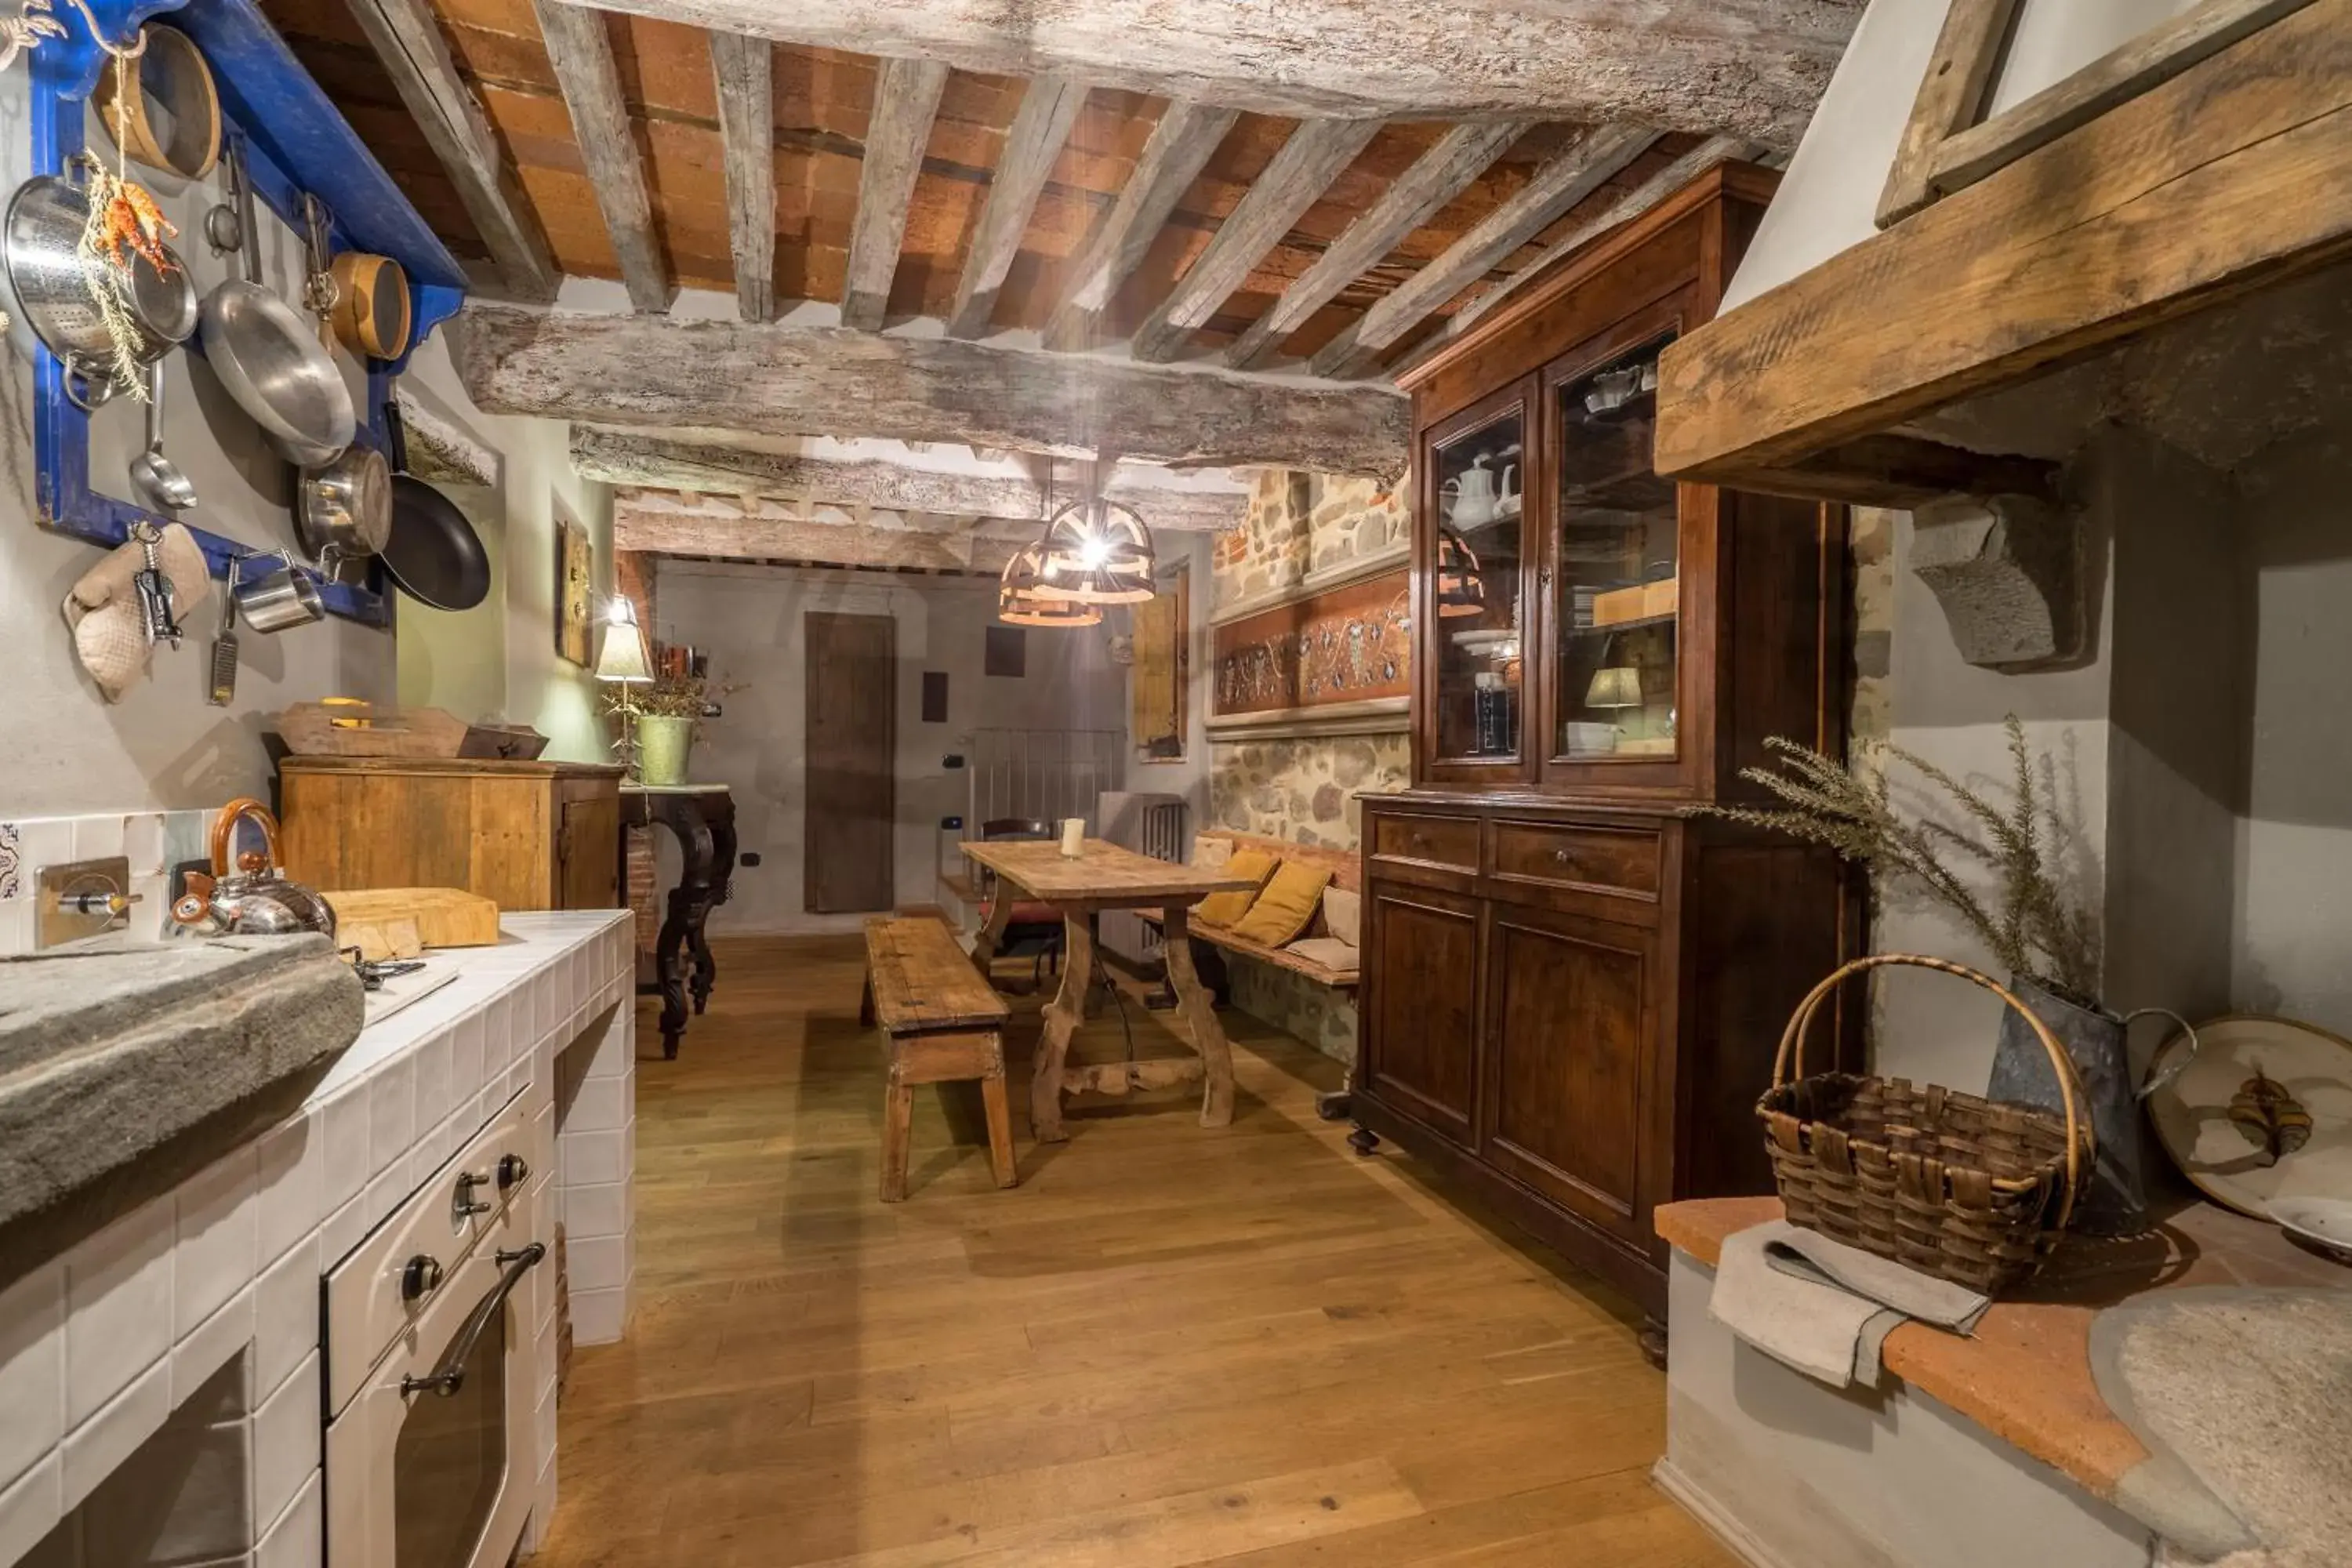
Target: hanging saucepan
(41,249)
(269,358)
(433,554)
(344,510)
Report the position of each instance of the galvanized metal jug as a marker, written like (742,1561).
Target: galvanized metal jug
(2113,1202)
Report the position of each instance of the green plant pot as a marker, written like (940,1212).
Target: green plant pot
(664,741)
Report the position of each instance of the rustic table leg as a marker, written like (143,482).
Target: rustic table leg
(992,934)
(898,1118)
(1062,1014)
(669,967)
(1000,1127)
(1199,1014)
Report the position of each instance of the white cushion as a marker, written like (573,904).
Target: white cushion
(1207,851)
(1341,913)
(1327,950)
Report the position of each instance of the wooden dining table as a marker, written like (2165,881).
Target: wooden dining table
(1103,876)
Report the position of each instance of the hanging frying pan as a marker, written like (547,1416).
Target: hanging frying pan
(432,553)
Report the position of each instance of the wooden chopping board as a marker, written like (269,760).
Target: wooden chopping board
(437,917)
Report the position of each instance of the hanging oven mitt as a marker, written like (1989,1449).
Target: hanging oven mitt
(109,623)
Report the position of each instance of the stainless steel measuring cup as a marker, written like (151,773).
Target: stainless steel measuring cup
(272,600)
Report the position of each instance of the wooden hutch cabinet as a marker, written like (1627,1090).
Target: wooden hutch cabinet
(1573,985)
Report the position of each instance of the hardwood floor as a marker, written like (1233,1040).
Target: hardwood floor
(1167,1345)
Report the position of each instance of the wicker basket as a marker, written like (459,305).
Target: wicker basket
(1967,1189)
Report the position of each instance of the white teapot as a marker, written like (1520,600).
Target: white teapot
(1477,497)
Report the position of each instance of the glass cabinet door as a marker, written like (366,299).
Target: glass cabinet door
(1479,690)
(1619,570)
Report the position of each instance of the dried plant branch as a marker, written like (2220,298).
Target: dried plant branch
(2031,925)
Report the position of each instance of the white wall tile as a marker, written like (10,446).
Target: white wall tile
(344,1228)
(598,1317)
(96,837)
(287,1441)
(93,1449)
(119,1306)
(143,842)
(342,1124)
(215,1258)
(287,1313)
(465,1056)
(32,1370)
(610,1049)
(17,922)
(594,1211)
(217,1340)
(383,1195)
(592,1157)
(434,1100)
(598,1263)
(601,1104)
(392,1113)
(30,1508)
(297,1538)
(293,1162)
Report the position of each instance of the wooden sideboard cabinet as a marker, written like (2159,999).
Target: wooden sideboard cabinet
(528,836)
(1573,985)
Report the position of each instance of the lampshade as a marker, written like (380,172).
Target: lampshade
(622,660)
(1618,686)
(1460,590)
(1020,601)
(1096,553)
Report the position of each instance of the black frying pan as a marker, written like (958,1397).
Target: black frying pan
(432,553)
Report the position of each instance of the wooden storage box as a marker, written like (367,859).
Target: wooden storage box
(1618,606)
(526,835)
(1661,598)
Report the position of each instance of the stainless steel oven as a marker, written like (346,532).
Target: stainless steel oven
(431,1437)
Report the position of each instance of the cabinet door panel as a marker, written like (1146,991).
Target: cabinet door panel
(1421,1035)
(1571,1003)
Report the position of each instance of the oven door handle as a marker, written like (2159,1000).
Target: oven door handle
(450,1376)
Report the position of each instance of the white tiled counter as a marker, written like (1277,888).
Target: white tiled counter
(100,1348)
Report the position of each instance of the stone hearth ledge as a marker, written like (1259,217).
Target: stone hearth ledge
(99,1345)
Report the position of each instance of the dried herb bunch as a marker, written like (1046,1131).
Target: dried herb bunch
(675,697)
(2036,929)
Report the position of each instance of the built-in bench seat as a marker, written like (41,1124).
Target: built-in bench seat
(1347,873)
(945,1024)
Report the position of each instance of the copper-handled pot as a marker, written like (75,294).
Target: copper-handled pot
(251,896)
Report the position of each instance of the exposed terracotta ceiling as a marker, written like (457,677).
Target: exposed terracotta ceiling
(823,99)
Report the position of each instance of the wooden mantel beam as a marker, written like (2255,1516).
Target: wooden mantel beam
(628,458)
(825,536)
(407,40)
(1749,68)
(906,99)
(1039,128)
(786,379)
(582,52)
(2233,176)
(743,72)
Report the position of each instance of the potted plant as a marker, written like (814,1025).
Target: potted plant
(2018,906)
(669,713)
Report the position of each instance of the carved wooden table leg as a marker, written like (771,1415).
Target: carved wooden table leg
(669,970)
(1199,1012)
(1062,1014)
(992,934)
(702,819)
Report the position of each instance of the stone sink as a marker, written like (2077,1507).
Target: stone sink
(127,1067)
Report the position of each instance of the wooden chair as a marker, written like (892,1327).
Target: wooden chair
(945,1024)
(1035,928)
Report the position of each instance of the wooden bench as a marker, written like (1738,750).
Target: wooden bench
(1347,873)
(945,1024)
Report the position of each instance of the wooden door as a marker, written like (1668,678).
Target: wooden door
(851,803)
(1571,1011)
(1421,1006)
(588,846)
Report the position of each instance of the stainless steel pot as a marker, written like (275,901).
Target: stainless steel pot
(40,247)
(344,510)
(272,600)
(270,358)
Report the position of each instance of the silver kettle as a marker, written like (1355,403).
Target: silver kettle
(255,898)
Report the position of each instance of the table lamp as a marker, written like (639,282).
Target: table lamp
(622,664)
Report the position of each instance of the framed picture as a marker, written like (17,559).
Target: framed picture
(575,591)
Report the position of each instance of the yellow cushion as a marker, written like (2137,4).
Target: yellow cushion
(1224,909)
(1287,904)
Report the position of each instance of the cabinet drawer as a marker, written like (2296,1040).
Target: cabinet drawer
(1611,859)
(1448,840)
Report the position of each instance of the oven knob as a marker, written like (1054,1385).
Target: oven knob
(513,1171)
(420,1277)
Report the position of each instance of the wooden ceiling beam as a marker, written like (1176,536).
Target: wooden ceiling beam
(628,458)
(906,99)
(1561,182)
(1317,151)
(661,525)
(408,43)
(1039,128)
(1750,68)
(1436,177)
(743,70)
(1179,149)
(787,379)
(582,52)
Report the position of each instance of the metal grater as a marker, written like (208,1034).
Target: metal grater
(224,664)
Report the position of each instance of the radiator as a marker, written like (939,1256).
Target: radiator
(1150,825)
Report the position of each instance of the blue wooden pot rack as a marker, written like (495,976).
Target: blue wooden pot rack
(294,140)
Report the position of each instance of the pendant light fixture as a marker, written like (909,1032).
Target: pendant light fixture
(1097,552)
(1022,602)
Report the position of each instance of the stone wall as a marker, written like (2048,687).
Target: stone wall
(1302,789)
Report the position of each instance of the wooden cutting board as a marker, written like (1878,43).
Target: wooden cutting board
(443,917)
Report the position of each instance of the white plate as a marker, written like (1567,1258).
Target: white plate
(2251,1074)
(2325,1223)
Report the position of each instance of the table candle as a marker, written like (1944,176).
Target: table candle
(1073,836)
